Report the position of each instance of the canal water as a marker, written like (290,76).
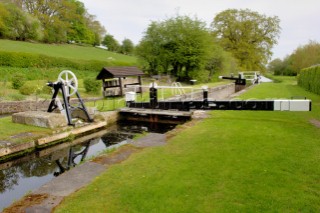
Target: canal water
(23,175)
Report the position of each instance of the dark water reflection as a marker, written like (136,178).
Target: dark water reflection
(21,176)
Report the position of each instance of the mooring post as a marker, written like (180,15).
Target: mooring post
(205,96)
(153,97)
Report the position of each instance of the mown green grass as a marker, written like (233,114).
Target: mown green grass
(70,51)
(234,161)
(10,131)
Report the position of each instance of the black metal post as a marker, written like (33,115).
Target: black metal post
(153,98)
(83,107)
(52,105)
(66,104)
(205,98)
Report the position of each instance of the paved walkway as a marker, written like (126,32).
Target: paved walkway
(265,80)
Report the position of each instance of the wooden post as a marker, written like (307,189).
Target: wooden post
(140,83)
(104,87)
(121,89)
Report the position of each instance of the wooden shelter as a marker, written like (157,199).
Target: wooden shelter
(115,80)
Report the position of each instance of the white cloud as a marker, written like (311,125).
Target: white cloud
(129,19)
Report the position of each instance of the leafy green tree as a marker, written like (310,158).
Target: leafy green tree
(63,20)
(96,30)
(4,14)
(150,52)
(179,46)
(221,62)
(76,21)
(50,14)
(248,35)
(305,56)
(18,25)
(127,47)
(276,66)
(110,42)
(281,67)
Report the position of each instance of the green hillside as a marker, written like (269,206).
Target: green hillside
(68,51)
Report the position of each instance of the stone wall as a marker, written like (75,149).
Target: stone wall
(22,106)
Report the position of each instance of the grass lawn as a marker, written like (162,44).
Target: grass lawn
(11,132)
(64,51)
(234,161)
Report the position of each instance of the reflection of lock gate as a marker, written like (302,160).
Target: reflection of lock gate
(68,85)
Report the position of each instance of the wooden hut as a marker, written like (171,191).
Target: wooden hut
(116,81)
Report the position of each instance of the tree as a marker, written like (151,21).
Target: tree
(179,46)
(110,42)
(276,66)
(150,52)
(63,20)
(96,29)
(305,56)
(17,24)
(51,15)
(127,47)
(221,62)
(281,67)
(3,17)
(248,35)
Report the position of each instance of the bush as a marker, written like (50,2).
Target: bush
(92,85)
(29,89)
(202,76)
(18,80)
(46,90)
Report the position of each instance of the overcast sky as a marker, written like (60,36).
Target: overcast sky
(300,19)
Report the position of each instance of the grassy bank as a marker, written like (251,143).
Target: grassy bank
(43,62)
(69,51)
(233,161)
(20,133)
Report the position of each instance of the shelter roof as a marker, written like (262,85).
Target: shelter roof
(118,72)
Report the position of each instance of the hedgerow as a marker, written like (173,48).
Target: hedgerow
(31,60)
(309,79)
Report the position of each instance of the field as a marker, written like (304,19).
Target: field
(40,75)
(70,51)
(233,161)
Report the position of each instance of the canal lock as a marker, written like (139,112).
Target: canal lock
(27,173)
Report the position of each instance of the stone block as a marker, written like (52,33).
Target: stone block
(78,113)
(41,119)
(111,116)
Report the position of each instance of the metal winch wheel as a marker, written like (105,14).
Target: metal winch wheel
(70,82)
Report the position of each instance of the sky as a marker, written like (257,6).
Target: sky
(299,19)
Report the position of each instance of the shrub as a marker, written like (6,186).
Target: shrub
(46,90)
(29,88)
(92,85)
(202,76)
(18,80)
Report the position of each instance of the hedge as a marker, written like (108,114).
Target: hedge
(27,60)
(309,79)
